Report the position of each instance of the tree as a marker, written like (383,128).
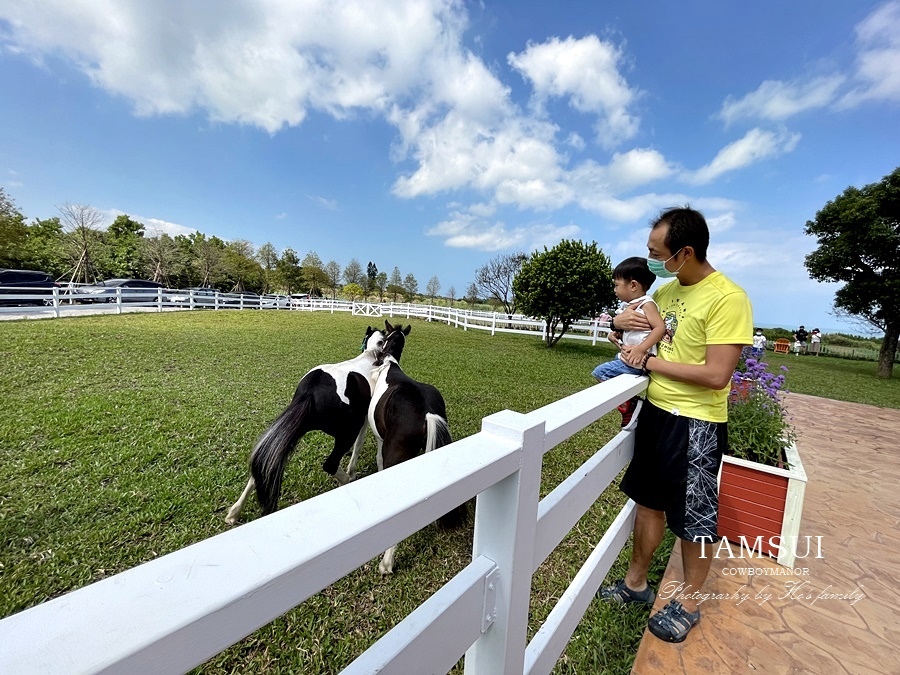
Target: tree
(83,237)
(472,294)
(395,284)
(353,273)
(45,247)
(561,285)
(371,274)
(410,287)
(451,293)
(313,273)
(288,270)
(207,258)
(859,244)
(433,288)
(240,265)
(164,262)
(381,284)
(124,240)
(267,257)
(495,279)
(333,277)
(353,291)
(13,233)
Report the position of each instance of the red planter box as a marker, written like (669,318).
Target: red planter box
(762,501)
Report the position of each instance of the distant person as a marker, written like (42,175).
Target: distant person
(815,341)
(632,280)
(759,344)
(800,338)
(604,318)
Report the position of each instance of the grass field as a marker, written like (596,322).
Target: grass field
(123,438)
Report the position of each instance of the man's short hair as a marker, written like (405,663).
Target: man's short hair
(635,269)
(687,227)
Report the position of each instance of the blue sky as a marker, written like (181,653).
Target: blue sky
(433,136)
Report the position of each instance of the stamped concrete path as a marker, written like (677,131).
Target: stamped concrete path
(843,614)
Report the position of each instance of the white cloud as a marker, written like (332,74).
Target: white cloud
(152,226)
(721,223)
(775,100)
(281,216)
(587,72)
(877,75)
(262,64)
(575,141)
(465,230)
(755,146)
(329,204)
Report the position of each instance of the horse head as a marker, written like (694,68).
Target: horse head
(372,340)
(394,341)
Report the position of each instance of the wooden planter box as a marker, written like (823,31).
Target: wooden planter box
(757,500)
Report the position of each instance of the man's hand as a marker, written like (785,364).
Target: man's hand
(630,319)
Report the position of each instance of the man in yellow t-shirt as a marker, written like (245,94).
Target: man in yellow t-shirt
(682,428)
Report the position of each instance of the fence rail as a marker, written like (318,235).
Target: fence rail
(173,613)
(66,301)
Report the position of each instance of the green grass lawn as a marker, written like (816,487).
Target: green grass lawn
(123,438)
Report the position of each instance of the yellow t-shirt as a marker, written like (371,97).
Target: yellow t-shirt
(714,311)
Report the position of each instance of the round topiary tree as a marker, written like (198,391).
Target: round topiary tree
(561,285)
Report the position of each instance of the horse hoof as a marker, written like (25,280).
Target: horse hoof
(384,569)
(230,520)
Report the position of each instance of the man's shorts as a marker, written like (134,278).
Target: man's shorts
(674,469)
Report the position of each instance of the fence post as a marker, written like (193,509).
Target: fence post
(494,323)
(596,325)
(56,301)
(118,299)
(159,299)
(505,522)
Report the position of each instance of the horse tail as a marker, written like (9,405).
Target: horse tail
(437,436)
(437,432)
(272,450)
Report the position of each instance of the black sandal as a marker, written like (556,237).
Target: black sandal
(673,622)
(620,594)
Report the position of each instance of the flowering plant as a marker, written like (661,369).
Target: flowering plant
(758,426)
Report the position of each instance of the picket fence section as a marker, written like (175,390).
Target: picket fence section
(63,302)
(173,613)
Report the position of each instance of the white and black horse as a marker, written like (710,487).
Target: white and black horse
(406,417)
(333,398)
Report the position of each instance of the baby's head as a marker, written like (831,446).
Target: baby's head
(632,278)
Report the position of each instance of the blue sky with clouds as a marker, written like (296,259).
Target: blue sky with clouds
(433,135)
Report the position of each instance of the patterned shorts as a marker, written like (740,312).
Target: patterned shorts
(674,469)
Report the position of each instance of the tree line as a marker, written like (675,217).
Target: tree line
(74,247)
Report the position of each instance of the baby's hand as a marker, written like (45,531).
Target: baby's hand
(634,357)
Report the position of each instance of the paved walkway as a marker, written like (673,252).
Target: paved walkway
(851,454)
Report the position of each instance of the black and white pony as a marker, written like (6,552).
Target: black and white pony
(333,398)
(406,417)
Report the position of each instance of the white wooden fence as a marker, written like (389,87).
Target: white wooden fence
(175,612)
(62,303)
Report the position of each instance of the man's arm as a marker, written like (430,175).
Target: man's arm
(630,319)
(634,356)
(718,370)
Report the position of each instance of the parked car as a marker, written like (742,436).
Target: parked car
(132,290)
(299,299)
(26,282)
(247,299)
(203,296)
(275,302)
